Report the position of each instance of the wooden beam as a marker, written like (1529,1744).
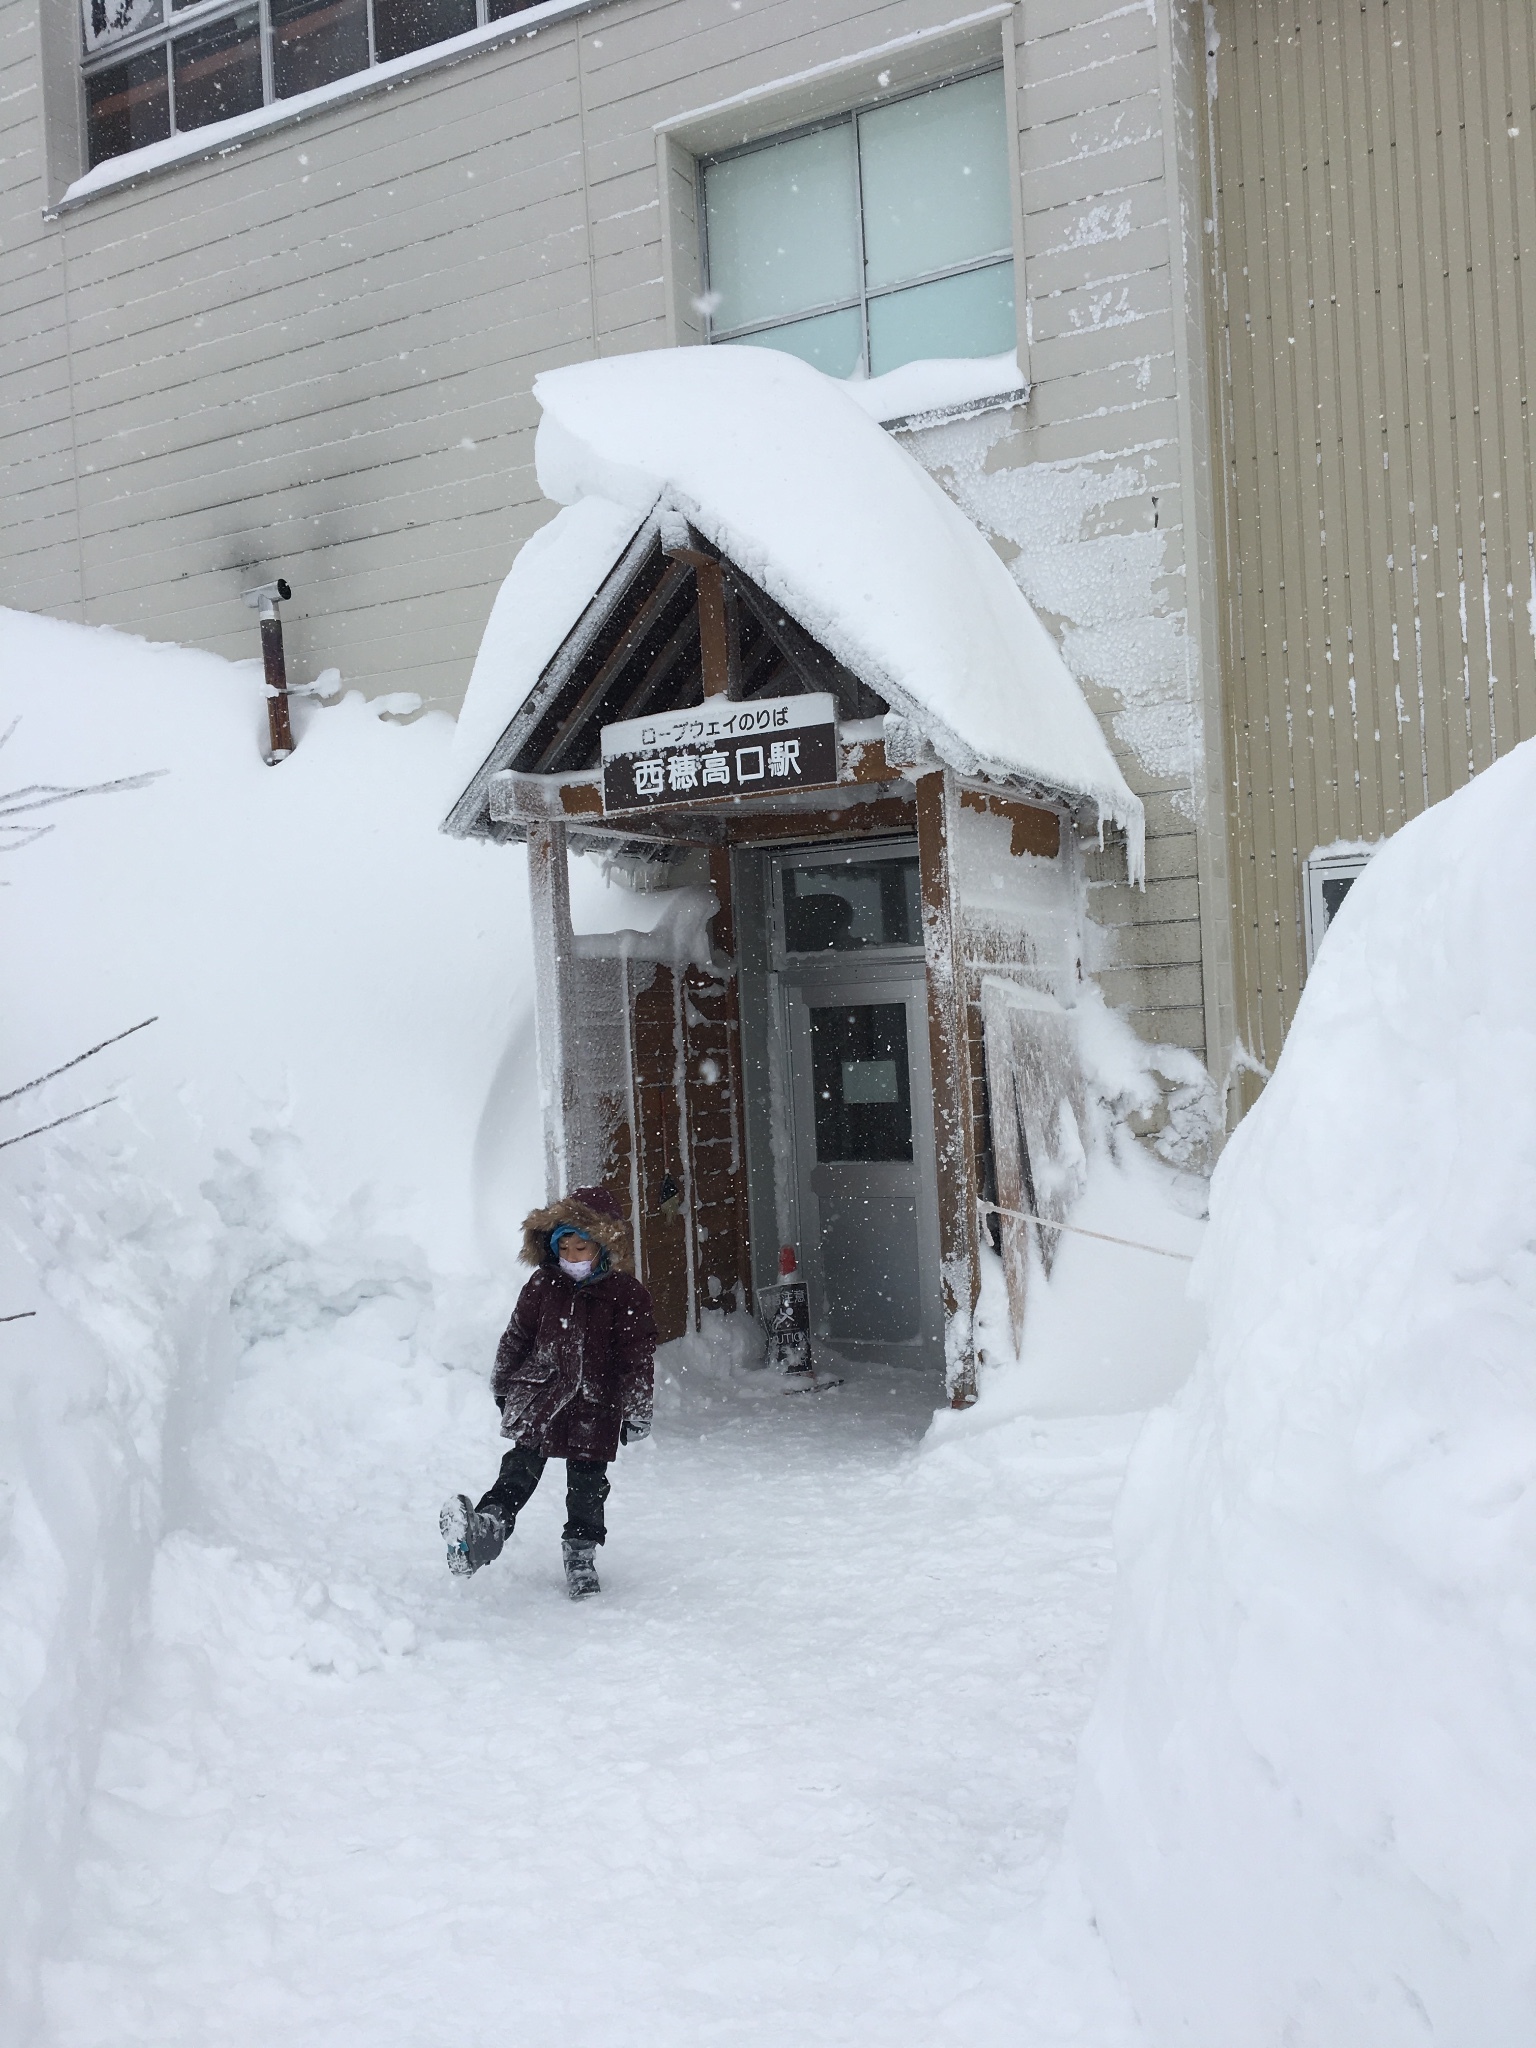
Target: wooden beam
(466,818)
(805,655)
(848,821)
(1035,829)
(676,646)
(719,631)
(864,761)
(719,646)
(761,667)
(950,1057)
(619,656)
(549,892)
(532,799)
(527,799)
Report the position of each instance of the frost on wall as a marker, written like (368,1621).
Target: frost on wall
(1113,599)
(1102,565)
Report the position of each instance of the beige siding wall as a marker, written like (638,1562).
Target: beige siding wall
(1086,488)
(1375,292)
(315,356)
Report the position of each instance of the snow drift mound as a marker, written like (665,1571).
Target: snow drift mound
(330,975)
(1307,1802)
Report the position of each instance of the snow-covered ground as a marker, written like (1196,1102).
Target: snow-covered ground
(797,1776)
(266,1772)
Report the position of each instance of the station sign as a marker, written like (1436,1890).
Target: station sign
(720,749)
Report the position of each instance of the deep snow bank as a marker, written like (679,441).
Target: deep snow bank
(333,978)
(1307,1803)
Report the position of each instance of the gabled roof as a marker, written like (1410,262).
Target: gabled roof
(847,557)
(635,649)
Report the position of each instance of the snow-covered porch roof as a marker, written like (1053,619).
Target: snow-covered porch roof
(856,574)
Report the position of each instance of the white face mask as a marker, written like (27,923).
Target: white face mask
(576,1269)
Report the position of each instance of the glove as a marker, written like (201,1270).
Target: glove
(633,1432)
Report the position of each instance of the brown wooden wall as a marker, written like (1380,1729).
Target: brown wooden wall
(1374,316)
(660,1147)
(694,1255)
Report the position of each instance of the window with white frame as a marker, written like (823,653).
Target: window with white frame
(157,68)
(876,239)
(1328,875)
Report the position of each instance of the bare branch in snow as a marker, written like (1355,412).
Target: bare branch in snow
(37,796)
(89,1053)
(37,1130)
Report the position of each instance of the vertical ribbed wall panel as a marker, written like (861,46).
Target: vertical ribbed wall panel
(1375,306)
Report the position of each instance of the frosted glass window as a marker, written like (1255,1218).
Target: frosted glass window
(783,228)
(831,342)
(968,315)
(809,241)
(935,178)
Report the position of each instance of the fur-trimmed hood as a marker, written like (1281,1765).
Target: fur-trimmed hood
(592,1211)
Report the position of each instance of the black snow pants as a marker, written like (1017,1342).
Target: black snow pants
(586,1488)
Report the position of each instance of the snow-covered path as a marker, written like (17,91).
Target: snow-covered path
(796,1777)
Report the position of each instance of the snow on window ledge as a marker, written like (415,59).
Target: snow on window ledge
(923,393)
(221,138)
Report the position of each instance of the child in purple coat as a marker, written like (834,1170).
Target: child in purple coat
(573,1380)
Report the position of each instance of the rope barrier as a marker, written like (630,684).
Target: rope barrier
(1077,1230)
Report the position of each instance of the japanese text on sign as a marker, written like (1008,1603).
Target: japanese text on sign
(703,754)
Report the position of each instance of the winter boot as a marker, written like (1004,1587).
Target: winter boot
(580,1568)
(474,1536)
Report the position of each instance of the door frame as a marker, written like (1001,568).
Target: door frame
(877,974)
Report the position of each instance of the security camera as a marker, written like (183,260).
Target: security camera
(268,594)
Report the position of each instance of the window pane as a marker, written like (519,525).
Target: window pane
(935,173)
(969,315)
(830,342)
(218,70)
(108,21)
(783,228)
(497,10)
(862,1082)
(403,25)
(850,904)
(128,105)
(316,41)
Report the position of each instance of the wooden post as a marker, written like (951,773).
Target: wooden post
(950,1058)
(549,891)
(714,631)
(275,669)
(717,1129)
(719,627)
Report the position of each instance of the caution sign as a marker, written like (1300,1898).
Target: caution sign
(720,749)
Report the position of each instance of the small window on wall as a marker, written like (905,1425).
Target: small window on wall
(1327,878)
(877,239)
(157,68)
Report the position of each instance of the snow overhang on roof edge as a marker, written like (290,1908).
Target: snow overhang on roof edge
(788,480)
